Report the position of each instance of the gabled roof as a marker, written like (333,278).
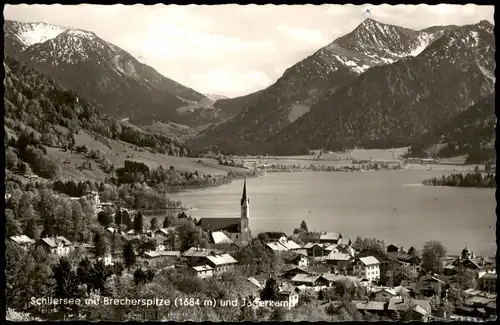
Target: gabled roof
(301,252)
(369,305)
(369,260)
(489,276)
(338,257)
(305,278)
(311,245)
(153,254)
(291,256)
(55,241)
(255,282)
(199,252)
(330,236)
(344,241)
(223,259)
(331,247)
(388,290)
(276,246)
(219,237)
(290,244)
(22,239)
(231,225)
(165,231)
(202,268)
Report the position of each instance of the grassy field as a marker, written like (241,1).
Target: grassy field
(118,151)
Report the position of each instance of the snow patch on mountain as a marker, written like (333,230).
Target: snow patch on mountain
(424,41)
(33,33)
(215,97)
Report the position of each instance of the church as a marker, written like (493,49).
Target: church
(237,228)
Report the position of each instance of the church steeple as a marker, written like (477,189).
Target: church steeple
(244,197)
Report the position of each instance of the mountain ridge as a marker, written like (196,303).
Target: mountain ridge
(255,130)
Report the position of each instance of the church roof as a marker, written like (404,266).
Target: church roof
(244,196)
(231,225)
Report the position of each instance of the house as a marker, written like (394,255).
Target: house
(367,267)
(220,263)
(255,282)
(290,244)
(57,245)
(310,280)
(165,255)
(164,231)
(291,257)
(421,309)
(202,271)
(196,255)
(384,294)
(108,259)
(251,287)
(393,250)
(429,286)
(373,307)
(330,237)
(338,259)
(344,242)
(488,282)
(238,229)
(293,271)
(315,249)
(23,241)
(290,296)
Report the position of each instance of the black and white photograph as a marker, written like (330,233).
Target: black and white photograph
(263,163)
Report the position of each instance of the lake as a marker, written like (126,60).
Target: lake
(389,205)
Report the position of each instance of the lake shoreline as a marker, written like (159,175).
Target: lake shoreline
(385,205)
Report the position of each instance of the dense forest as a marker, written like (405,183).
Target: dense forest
(471,132)
(476,179)
(34,102)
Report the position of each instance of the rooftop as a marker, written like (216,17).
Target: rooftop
(219,237)
(305,278)
(56,241)
(199,252)
(202,268)
(369,260)
(330,236)
(153,254)
(223,259)
(276,246)
(369,305)
(23,239)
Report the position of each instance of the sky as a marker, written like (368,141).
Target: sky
(234,50)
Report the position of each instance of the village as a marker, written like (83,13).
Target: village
(313,263)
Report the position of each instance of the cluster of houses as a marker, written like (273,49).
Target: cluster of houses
(326,260)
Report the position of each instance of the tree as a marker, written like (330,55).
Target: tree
(66,280)
(118,217)
(263,237)
(154,224)
(129,255)
(12,225)
(270,291)
(139,222)
(190,236)
(100,274)
(433,254)
(412,251)
(105,219)
(465,278)
(102,245)
(303,226)
(278,314)
(126,220)
(11,160)
(85,273)
(169,221)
